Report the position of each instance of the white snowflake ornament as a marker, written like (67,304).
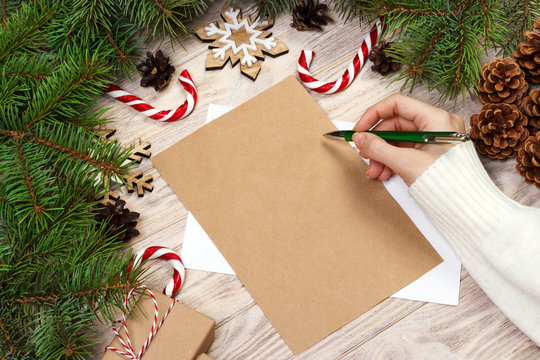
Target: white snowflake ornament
(239,38)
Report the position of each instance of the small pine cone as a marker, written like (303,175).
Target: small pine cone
(499,130)
(156,70)
(382,63)
(502,81)
(527,54)
(528,159)
(531,107)
(310,15)
(120,220)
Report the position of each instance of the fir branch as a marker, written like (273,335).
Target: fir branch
(108,167)
(26,71)
(5,333)
(416,69)
(125,286)
(162,8)
(86,76)
(267,8)
(24,170)
(457,79)
(122,56)
(68,335)
(385,10)
(25,29)
(85,191)
(25,75)
(161,17)
(4,14)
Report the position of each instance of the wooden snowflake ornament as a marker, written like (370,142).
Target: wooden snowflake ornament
(239,38)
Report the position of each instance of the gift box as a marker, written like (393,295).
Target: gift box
(185,334)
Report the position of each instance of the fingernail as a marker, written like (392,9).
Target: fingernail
(359,139)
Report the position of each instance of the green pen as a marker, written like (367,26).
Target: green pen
(426,137)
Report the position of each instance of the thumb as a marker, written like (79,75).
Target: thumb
(373,147)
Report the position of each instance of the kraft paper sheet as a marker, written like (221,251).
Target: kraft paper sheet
(314,241)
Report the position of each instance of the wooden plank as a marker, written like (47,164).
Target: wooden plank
(242,329)
(251,335)
(476,329)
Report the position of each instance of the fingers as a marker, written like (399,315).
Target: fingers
(378,150)
(385,174)
(396,124)
(375,169)
(403,107)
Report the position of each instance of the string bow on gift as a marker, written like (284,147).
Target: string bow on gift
(128,348)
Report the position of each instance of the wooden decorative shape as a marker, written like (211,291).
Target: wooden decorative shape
(136,180)
(138,150)
(108,197)
(106,133)
(239,38)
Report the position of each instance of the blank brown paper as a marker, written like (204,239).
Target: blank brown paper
(314,241)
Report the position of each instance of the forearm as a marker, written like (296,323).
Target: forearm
(497,239)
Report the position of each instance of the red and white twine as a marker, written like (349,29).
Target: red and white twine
(160,115)
(349,75)
(126,344)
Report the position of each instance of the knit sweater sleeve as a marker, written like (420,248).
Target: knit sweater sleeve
(496,238)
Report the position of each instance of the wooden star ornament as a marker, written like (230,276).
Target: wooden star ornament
(240,39)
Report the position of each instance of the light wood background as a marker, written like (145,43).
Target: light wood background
(395,328)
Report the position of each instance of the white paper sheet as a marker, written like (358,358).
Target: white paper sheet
(440,285)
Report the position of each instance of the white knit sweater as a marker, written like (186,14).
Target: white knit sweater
(497,239)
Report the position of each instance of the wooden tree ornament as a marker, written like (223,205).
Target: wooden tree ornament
(138,150)
(239,38)
(136,180)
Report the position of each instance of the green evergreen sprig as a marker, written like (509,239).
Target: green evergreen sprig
(60,270)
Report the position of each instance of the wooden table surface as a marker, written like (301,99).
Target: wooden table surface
(395,328)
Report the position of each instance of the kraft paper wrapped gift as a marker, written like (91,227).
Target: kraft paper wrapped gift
(185,334)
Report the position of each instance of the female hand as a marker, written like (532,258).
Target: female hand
(402,113)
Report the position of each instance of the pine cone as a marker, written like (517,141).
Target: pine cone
(382,63)
(502,81)
(156,70)
(310,15)
(499,130)
(119,219)
(528,159)
(527,54)
(531,107)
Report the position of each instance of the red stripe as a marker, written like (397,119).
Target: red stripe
(170,256)
(142,107)
(177,282)
(344,81)
(365,51)
(150,251)
(112,87)
(325,88)
(126,98)
(302,61)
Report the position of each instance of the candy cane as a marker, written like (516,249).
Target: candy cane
(159,115)
(160,252)
(348,76)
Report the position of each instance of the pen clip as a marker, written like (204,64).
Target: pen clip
(446,139)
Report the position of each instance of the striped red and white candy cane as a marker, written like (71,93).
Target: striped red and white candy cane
(128,351)
(163,253)
(348,76)
(160,115)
